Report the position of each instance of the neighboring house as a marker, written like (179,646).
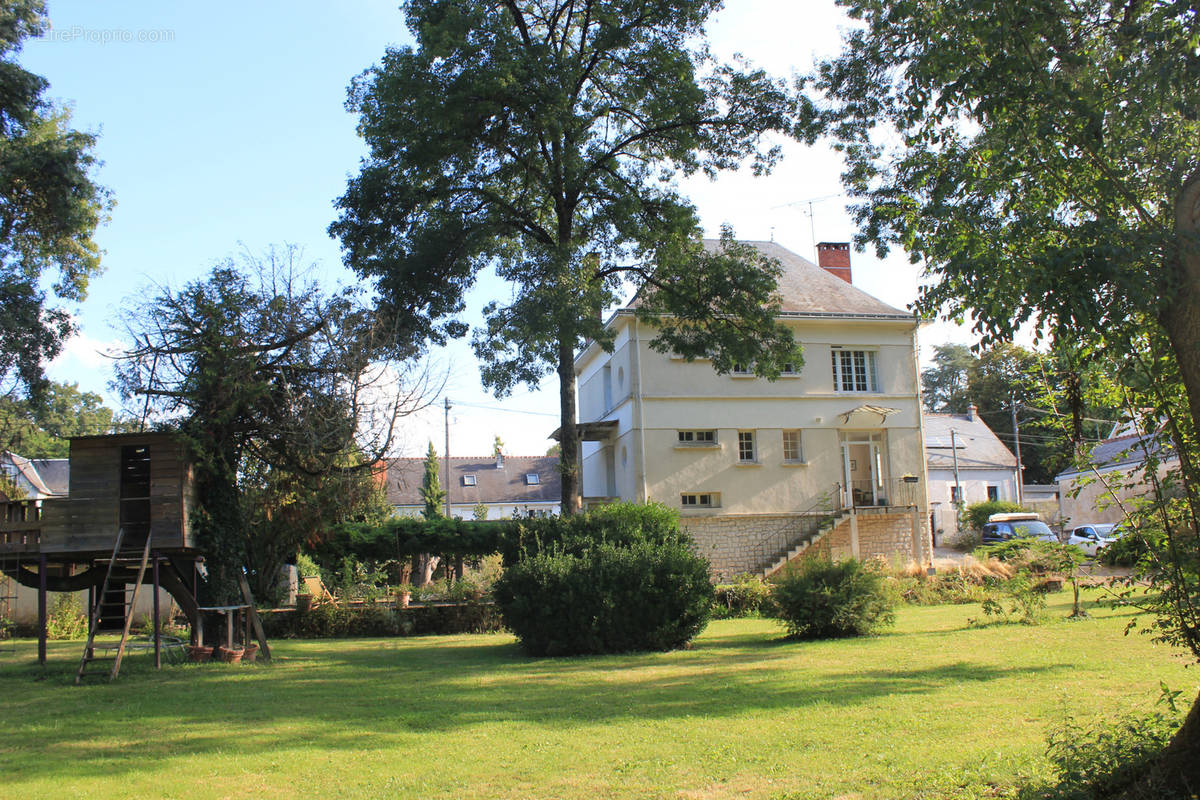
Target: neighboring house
(1043,498)
(508,485)
(36,478)
(759,468)
(966,463)
(1114,476)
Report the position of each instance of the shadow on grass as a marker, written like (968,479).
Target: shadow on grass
(361,695)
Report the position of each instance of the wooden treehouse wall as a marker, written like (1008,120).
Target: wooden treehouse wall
(99,501)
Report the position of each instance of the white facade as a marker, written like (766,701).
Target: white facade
(963,452)
(845,427)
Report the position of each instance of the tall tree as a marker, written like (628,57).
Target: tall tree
(944,384)
(49,209)
(42,429)
(1049,393)
(1043,161)
(285,510)
(432,493)
(257,366)
(542,138)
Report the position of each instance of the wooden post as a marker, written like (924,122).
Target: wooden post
(157,621)
(42,609)
(253,612)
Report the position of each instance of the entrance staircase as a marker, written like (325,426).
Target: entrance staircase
(774,550)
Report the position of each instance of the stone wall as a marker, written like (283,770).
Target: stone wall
(731,543)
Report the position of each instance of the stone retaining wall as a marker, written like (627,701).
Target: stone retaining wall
(730,543)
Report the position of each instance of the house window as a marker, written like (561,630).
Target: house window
(993,493)
(468,480)
(854,370)
(789,369)
(955,494)
(746,446)
(792,449)
(532,479)
(698,437)
(706,500)
(743,370)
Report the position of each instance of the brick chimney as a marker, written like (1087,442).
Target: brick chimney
(972,412)
(834,258)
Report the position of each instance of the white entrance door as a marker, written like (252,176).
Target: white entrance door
(862,468)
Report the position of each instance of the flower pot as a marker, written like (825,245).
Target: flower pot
(303,602)
(199,653)
(250,654)
(405,599)
(230,656)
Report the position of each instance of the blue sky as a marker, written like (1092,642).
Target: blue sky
(222,125)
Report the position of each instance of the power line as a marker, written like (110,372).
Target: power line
(505,410)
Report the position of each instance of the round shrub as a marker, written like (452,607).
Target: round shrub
(821,599)
(606,599)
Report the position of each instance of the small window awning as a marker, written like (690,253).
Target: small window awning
(590,431)
(883,412)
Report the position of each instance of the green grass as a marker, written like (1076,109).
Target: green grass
(929,709)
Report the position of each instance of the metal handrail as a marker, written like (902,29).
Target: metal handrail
(870,493)
(807,523)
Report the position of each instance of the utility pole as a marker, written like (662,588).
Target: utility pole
(1017,444)
(958,495)
(448,458)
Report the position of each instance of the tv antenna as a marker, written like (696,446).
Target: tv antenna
(810,202)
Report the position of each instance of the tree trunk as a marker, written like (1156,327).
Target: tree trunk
(429,563)
(1176,772)
(1181,318)
(568,434)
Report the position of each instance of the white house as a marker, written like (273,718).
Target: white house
(760,469)
(966,463)
(36,478)
(508,486)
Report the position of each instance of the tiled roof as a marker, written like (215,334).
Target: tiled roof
(27,470)
(978,447)
(507,484)
(1127,450)
(805,288)
(55,473)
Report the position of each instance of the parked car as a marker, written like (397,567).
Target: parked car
(1017,525)
(1094,538)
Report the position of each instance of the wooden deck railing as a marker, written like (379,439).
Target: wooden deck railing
(20,526)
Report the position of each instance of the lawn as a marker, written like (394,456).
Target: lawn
(930,709)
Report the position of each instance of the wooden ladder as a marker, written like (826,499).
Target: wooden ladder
(89,654)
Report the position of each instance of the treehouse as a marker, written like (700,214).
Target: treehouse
(125,521)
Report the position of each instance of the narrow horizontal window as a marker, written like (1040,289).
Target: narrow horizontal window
(700,500)
(698,437)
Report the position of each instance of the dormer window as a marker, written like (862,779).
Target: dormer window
(532,479)
(468,480)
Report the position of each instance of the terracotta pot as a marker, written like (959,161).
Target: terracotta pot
(199,654)
(405,599)
(233,656)
(251,653)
